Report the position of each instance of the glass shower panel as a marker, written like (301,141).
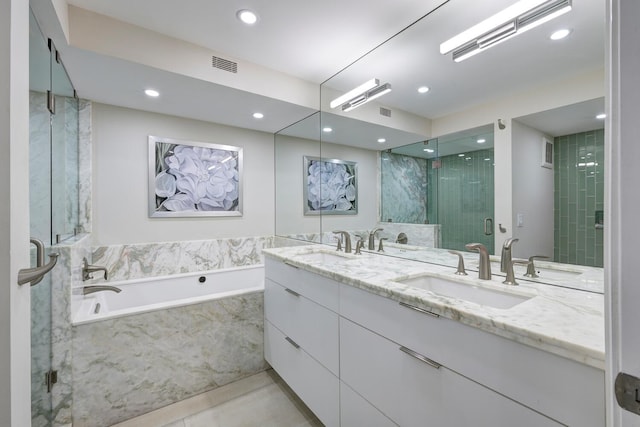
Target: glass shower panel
(465,198)
(40,219)
(64,154)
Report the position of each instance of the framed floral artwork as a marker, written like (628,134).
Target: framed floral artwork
(330,186)
(188,178)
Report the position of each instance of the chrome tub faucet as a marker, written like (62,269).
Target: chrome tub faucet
(87,269)
(86,290)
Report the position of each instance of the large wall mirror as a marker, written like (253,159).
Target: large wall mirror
(503,143)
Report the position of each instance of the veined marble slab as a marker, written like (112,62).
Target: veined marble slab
(565,322)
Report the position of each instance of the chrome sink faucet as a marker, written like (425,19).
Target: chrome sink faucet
(505,258)
(484,265)
(372,238)
(506,262)
(347,240)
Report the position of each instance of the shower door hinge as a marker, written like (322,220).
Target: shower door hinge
(51,378)
(51,102)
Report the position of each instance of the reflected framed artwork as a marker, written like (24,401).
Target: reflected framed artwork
(330,186)
(192,179)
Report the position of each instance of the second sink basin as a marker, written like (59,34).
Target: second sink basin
(467,291)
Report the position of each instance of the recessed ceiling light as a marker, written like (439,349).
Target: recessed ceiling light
(258,115)
(481,141)
(423,89)
(428,150)
(601,116)
(152,93)
(560,34)
(382,140)
(461,155)
(487,159)
(247,16)
(327,129)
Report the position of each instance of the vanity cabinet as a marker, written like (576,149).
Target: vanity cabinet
(356,358)
(301,336)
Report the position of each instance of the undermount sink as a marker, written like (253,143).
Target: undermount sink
(322,256)
(467,291)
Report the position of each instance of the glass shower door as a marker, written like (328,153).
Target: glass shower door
(40,220)
(466,192)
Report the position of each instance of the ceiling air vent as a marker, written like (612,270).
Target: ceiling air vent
(385,112)
(224,64)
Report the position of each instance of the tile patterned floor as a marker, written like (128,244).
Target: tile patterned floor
(262,400)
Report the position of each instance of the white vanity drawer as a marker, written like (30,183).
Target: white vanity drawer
(312,326)
(355,411)
(565,390)
(318,388)
(320,289)
(413,393)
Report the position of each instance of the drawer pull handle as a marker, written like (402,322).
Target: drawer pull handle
(291,265)
(420,357)
(292,292)
(292,342)
(421,310)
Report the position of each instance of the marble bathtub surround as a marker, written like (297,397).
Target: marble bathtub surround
(565,322)
(132,261)
(131,365)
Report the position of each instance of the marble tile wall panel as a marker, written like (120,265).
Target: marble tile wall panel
(64,277)
(131,365)
(403,188)
(160,259)
(427,235)
(39,167)
(84,160)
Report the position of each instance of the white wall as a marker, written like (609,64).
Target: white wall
(289,191)
(367,217)
(120,179)
(289,206)
(532,193)
(15,343)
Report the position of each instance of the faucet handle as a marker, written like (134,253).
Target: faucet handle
(380,248)
(359,245)
(531,268)
(460,270)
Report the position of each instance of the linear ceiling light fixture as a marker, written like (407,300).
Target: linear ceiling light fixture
(516,19)
(364,93)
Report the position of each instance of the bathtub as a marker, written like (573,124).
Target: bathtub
(164,339)
(158,293)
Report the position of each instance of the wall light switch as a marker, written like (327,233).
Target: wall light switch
(520,220)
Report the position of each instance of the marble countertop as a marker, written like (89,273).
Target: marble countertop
(562,321)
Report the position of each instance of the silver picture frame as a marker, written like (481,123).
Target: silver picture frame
(194,179)
(330,186)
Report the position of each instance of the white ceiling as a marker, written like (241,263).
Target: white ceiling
(315,40)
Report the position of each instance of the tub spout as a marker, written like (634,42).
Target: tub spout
(98,288)
(88,269)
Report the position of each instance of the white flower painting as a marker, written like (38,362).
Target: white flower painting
(189,178)
(330,186)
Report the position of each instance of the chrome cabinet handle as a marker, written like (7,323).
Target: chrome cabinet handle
(418,309)
(34,275)
(292,292)
(420,357)
(292,342)
(291,265)
(488,226)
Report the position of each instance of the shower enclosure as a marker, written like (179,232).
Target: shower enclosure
(53,196)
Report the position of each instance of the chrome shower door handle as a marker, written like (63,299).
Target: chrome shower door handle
(34,275)
(488,226)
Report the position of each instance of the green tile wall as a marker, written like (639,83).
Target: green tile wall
(579,192)
(465,198)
